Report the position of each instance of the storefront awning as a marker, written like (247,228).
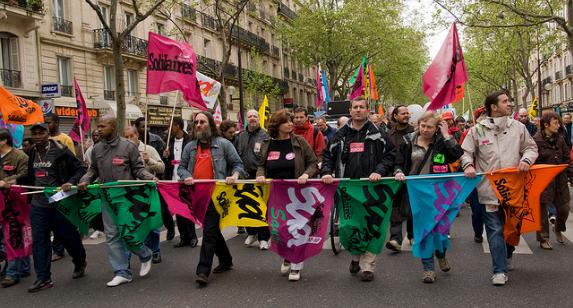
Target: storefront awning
(132,112)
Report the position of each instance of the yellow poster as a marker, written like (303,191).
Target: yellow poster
(242,205)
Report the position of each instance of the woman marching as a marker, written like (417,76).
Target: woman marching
(286,156)
(428,150)
(553,150)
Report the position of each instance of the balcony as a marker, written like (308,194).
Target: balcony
(29,6)
(558,75)
(131,45)
(286,11)
(67,91)
(11,78)
(188,13)
(286,72)
(208,22)
(63,26)
(251,39)
(569,70)
(109,95)
(275,51)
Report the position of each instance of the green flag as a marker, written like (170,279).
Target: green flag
(363,64)
(365,209)
(136,211)
(79,208)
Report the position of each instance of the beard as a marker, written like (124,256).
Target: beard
(204,135)
(252,126)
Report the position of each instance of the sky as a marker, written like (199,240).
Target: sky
(425,9)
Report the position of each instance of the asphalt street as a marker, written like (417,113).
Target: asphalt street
(541,279)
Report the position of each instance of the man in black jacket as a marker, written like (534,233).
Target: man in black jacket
(52,164)
(172,157)
(359,149)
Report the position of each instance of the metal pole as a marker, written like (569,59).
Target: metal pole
(539,85)
(240,63)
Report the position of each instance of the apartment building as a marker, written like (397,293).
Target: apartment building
(55,41)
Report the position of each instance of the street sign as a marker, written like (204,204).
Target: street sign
(51,90)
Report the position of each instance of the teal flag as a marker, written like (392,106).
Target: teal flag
(362,65)
(365,209)
(79,208)
(135,209)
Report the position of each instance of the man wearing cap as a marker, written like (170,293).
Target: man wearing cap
(52,164)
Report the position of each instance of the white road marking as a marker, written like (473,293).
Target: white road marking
(522,248)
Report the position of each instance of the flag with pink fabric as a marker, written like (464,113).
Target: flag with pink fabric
(298,217)
(83,118)
(189,201)
(15,219)
(172,65)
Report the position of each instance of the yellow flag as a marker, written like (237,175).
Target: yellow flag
(264,112)
(243,205)
(533,108)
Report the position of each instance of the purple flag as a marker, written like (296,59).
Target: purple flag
(189,201)
(358,86)
(298,217)
(15,219)
(83,118)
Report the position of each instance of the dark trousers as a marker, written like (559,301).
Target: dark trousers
(167,217)
(213,243)
(57,246)
(44,221)
(262,233)
(396,230)
(477,213)
(186,229)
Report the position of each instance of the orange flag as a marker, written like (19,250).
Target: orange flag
(18,110)
(519,194)
(373,88)
(380,110)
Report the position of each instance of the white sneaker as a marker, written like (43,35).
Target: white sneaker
(251,239)
(145,268)
(499,279)
(285,268)
(264,245)
(117,280)
(294,275)
(510,265)
(95,235)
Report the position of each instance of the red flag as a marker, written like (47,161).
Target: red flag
(172,65)
(189,201)
(240,124)
(444,79)
(358,86)
(82,119)
(15,220)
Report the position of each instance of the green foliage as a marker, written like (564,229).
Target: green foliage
(258,84)
(338,34)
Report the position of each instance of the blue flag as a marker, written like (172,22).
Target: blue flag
(435,202)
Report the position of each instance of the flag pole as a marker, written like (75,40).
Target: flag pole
(177,98)
(470,101)
(145,129)
(82,142)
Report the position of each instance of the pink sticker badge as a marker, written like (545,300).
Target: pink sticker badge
(357,147)
(290,156)
(273,155)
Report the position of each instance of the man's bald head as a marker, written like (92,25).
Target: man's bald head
(130,132)
(523,117)
(107,126)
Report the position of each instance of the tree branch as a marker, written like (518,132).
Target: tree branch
(97,9)
(139,19)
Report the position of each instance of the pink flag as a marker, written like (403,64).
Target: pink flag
(172,65)
(358,86)
(444,80)
(217,116)
(240,123)
(298,216)
(83,118)
(319,88)
(189,201)
(15,218)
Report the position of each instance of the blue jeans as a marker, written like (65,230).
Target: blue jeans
(494,230)
(45,220)
(552,210)
(428,263)
(18,268)
(477,213)
(117,251)
(152,241)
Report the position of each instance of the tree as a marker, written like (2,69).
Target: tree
(337,34)
(258,84)
(142,9)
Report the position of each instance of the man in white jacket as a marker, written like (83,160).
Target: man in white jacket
(497,142)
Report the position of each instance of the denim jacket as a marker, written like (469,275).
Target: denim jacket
(223,155)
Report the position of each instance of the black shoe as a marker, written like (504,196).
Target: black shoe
(241,230)
(170,235)
(181,244)
(354,267)
(79,271)
(194,242)
(202,280)
(367,276)
(40,285)
(221,268)
(156,258)
(478,239)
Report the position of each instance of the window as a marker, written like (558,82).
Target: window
(108,82)
(207,48)
(265,65)
(163,99)
(105,12)
(58,8)
(132,83)
(10,74)
(160,29)
(128,19)
(64,75)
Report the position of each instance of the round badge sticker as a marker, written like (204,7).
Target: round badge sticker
(289,156)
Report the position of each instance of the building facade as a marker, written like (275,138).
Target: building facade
(55,41)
